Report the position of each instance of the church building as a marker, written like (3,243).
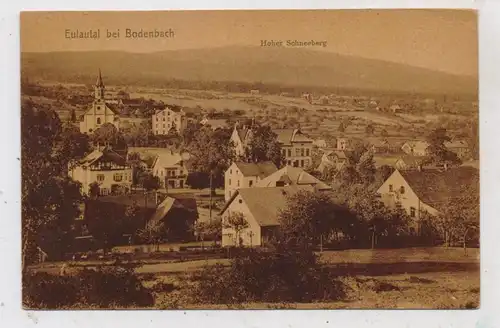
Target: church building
(100,112)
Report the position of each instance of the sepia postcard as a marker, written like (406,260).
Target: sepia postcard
(250,159)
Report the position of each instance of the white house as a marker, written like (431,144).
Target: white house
(427,190)
(170,167)
(296,147)
(240,139)
(170,118)
(245,175)
(260,208)
(104,166)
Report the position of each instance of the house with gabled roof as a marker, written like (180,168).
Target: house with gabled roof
(171,168)
(245,175)
(415,147)
(333,158)
(240,139)
(292,176)
(427,190)
(104,166)
(170,119)
(260,208)
(296,147)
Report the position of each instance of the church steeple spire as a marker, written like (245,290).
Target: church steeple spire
(99,88)
(99,80)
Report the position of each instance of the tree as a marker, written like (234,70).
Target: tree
(366,168)
(437,151)
(50,200)
(308,217)
(72,117)
(264,146)
(71,145)
(342,127)
(108,135)
(237,222)
(383,172)
(211,153)
(369,130)
(94,190)
(209,230)
(149,182)
(153,233)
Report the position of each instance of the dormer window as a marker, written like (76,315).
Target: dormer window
(402,190)
(98,120)
(391,189)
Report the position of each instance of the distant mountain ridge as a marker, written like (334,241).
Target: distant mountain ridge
(286,66)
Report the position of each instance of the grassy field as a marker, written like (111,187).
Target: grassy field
(410,278)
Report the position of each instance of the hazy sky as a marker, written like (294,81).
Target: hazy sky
(444,40)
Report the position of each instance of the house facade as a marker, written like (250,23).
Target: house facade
(427,190)
(245,175)
(170,118)
(170,167)
(415,148)
(260,208)
(240,138)
(295,147)
(100,111)
(459,147)
(105,167)
(333,158)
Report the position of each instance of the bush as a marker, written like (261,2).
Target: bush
(264,276)
(45,291)
(105,288)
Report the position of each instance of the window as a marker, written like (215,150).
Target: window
(118,177)
(98,120)
(231,171)
(307,152)
(306,163)
(250,183)
(157,119)
(289,153)
(100,177)
(390,188)
(229,181)
(302,152)
(238,183)
(301,163)
(412,212)
(283,151)
(240,201)
(402,190)
(164,119)
(297,151)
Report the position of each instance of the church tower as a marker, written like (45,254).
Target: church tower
(99,88)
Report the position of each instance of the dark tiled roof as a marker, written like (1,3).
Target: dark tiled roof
(261,170)
(132,101)
(287,136)
(243,133)
(265,204)
(105,154)
(292,176)
(435,187)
